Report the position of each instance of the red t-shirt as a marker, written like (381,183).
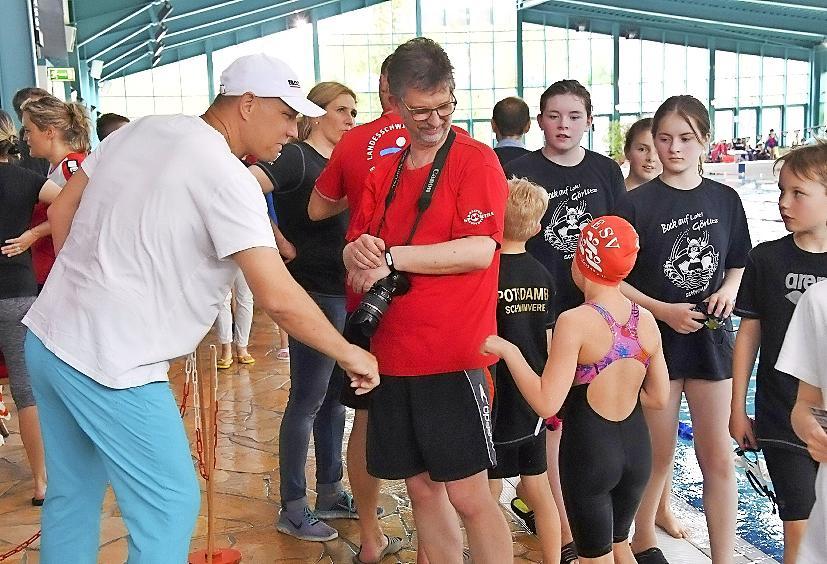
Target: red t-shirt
(43,250)
(440,324)
(357,153)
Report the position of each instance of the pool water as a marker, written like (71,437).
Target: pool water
(757,524)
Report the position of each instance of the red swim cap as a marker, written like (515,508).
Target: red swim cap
(607,250)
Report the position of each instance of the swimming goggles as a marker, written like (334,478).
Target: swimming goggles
(756,474)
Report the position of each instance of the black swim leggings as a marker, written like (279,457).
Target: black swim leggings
(604,468)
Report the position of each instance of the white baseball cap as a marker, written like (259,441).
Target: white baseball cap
(267,77)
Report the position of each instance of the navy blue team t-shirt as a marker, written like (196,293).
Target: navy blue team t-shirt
(578,194)
(688,239)
(777,274)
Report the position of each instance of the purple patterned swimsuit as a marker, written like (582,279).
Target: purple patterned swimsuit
(625,344)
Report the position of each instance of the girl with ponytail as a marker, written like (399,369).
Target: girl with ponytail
(59,132)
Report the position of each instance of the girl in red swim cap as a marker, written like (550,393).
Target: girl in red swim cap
(605,362)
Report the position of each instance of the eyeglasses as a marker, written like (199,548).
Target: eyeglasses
(422,114)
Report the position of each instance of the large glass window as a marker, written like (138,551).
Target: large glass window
(748,124)
(794,126)
(724,125)
(770,119)
(169,89)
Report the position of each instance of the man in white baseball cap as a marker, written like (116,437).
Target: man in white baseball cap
(267,77)
(168,215)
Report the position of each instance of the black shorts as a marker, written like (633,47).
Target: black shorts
(526,458)
(348,397)
(440,424)
(705,354)
(793,475)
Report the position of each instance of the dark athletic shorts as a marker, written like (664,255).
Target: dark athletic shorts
(440,424)
(348,397)
(526,458)
(793,475)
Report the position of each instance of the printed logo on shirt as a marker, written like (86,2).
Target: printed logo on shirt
(293,83)
(692,262)
(475,217)
(523,300)
(394,147)
(567,221)
(798,283)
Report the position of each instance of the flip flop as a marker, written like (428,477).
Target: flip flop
(223,363)
(394,545)
(246,359)
(652,555)
(568,553)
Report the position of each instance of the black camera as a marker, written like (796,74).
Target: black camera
(712,321)
(375,302)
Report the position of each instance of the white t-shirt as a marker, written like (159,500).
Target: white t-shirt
(804,355)
(144,270)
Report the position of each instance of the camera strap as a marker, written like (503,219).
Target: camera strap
(427,189)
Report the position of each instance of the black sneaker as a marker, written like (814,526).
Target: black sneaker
(524,512)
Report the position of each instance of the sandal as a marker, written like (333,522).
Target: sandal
(223,363)
(246,359)
(283,354)
(652,555)
(568,553)
(394,545)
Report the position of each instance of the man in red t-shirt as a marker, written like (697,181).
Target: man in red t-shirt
(340,186)
(429,420)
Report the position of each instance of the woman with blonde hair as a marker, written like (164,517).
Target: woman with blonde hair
(59,132)
(313,405)
(20,190)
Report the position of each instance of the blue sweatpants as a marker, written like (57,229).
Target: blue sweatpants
(131,438)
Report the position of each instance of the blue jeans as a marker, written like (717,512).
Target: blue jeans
(313,405)
(131,438)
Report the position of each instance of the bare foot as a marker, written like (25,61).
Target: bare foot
(667,521)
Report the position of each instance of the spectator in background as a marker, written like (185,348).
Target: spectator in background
(313,406)
(40,166)
(107,123)
(20,190)
(510,122)
(772,144)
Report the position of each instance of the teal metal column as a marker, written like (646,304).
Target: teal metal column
(18,66)
(317,69)
(710,45)
(520,86)
(418,18)
(818,84)
(210,70)
(616,71)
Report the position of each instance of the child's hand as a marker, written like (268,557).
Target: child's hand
(721,304)
(741,429)
(495,345)
(681,317)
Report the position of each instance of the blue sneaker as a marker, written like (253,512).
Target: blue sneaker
(305,525)
(342,508)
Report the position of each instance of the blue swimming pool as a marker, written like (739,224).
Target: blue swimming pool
(756,522)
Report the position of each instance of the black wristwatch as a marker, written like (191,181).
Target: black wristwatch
(389,260)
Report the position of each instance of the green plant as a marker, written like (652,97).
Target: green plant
(615,137)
